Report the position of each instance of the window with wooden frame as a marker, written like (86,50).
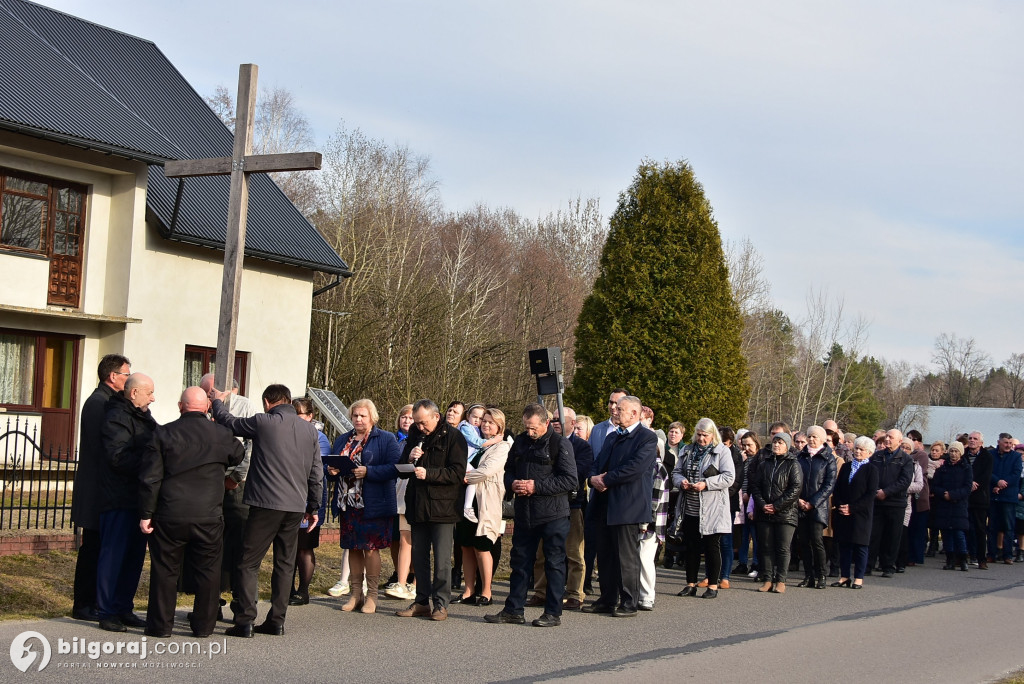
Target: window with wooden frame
(39,374)
(45,216)
(202,360)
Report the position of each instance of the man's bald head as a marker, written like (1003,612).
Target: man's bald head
(138,389)
(194,399)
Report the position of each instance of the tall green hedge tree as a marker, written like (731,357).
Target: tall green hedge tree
(661,320)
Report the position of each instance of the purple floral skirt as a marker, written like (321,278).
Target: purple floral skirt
(364,534)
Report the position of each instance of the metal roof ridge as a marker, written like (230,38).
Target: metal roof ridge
(83,72)
(84,21)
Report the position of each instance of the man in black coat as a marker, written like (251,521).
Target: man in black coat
(439,455)
(895,474)
(981,462)
(113,370)
(126,432)
(181,506)
(283,487)
(622,479)
(541,471)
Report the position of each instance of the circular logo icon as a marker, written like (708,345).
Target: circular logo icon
(23,655)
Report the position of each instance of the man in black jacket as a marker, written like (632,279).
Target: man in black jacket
(575,566)
(113,370)
(181,506)
(126,432)
(283,487)
(978,502)
(439,455)
(540,471)
(895,473)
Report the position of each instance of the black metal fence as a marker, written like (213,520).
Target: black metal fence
(36,486)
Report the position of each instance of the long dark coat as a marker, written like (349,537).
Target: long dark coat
(955,479)
(859,495)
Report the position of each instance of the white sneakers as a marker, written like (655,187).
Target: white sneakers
(340,589)
(401,591)
(469,514)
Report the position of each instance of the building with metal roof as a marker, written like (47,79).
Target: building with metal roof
(944,423)
(147,112)
(101,253)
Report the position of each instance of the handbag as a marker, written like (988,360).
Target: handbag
(508,507)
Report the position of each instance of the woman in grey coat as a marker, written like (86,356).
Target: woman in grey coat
(703,474)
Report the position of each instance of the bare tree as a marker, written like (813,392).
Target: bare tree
(962,364)
(1015,379)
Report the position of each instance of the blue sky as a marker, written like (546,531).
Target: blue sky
(871,148)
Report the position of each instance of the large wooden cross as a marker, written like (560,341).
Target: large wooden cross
(239,165)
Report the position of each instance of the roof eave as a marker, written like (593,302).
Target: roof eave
(82,143)
(344,272)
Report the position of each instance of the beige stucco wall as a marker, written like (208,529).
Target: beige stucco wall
(175,290)
(129,270)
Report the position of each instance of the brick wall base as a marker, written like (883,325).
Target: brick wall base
(36,543)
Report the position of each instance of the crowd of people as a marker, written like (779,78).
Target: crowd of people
(213,491)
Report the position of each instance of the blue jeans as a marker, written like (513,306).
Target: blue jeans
(749,534)
(727,555)
(525,540)
(1001,518)
(954,541)
(918,536)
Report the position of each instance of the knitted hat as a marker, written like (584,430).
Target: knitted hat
(957,447)
(785,438)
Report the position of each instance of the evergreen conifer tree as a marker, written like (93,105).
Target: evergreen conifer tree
(661,320)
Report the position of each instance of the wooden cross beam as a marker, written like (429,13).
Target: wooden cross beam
(239,165)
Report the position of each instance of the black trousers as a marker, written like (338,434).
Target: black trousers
(774,540)
(85,570)
(886,532)
(618,556)
(978,518)
(439,537)
(694,543)
(812,546)
(167,547)
(265,527)
(236,514)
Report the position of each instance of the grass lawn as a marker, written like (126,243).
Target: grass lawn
(40,586)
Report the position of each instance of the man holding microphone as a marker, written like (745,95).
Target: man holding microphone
(439,454)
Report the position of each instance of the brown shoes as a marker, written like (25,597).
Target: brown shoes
(535,601)
(779,588)
(415,610)
(572,604)
(766,587)
(439,614)
(703,583)
(724,584)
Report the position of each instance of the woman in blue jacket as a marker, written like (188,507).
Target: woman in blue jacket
(951,486)
(364,499)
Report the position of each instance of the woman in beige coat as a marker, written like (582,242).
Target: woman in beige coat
(477,539)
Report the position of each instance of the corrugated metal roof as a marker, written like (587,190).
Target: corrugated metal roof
(946,422)
(67,79)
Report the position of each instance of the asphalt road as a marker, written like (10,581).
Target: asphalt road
(927,625)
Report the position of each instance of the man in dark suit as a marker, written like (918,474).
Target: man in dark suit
(598,434)
(622,479)
(181,501)
(113,370)
(283,487)
(127,428)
